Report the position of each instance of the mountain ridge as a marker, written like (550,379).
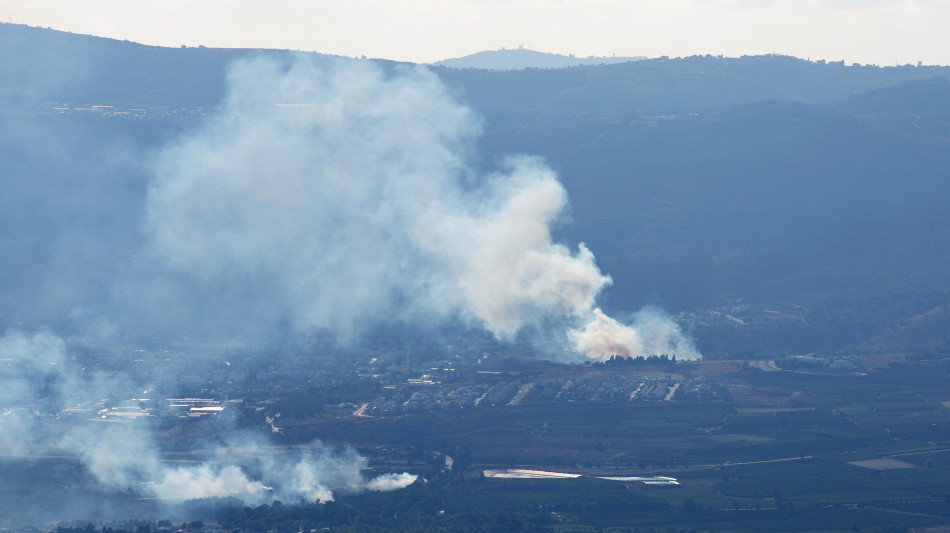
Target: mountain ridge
(522,58)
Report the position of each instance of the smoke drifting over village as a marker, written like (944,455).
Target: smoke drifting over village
(124,456)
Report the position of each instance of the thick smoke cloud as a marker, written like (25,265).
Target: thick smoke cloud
(336,197)
(41,378)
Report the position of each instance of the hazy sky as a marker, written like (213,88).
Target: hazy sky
(883,32)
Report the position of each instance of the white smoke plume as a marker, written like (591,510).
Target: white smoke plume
(40,382)
(335,197)
(651,332)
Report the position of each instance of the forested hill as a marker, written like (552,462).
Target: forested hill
(772,203)
(675,85)
(46,65)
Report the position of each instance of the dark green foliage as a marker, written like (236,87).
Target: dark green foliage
(313,399)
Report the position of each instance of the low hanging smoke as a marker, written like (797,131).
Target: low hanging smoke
(336,197)
(39,374)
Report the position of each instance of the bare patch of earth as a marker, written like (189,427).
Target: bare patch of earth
(884,463)
(738,437)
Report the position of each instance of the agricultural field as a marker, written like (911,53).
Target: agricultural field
(791,451)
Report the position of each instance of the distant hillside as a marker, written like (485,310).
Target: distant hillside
(38,65)
(918,108)
(919,97)
(664,85)
(522,58)
(768,203)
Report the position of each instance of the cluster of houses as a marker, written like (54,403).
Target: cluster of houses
(425,394)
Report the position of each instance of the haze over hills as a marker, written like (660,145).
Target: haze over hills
(802,198)
(44,65)
(522,58)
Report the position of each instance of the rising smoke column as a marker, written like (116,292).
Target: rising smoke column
(335,196)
